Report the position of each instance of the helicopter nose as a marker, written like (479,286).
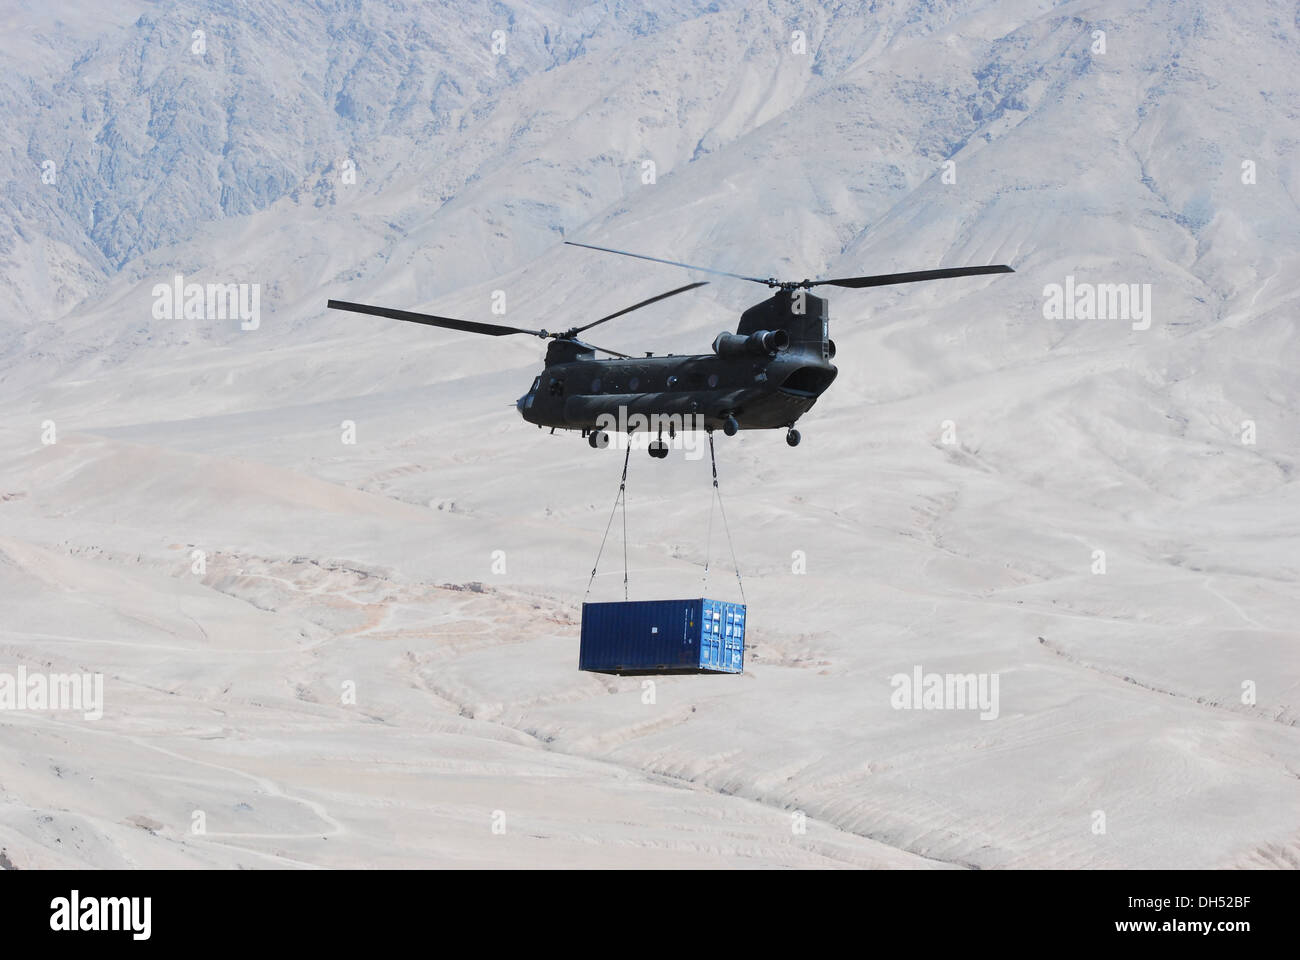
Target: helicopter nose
(519,404)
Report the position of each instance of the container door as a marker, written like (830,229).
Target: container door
(706,634)
(715,637)
(738,638)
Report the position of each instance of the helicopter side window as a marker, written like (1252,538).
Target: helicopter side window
(713,380)
(672,383)
(595,385)
(633,384)
(557,387)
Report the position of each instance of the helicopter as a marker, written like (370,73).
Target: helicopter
(765,375)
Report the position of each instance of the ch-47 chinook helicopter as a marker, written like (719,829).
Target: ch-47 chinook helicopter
(764,376)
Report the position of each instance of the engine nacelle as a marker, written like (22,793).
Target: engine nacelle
(760,342)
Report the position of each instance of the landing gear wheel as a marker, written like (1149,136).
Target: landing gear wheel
(730,426)
(792,437)
(658,449)
(598,439)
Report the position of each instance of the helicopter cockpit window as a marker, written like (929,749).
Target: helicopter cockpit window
(537,382)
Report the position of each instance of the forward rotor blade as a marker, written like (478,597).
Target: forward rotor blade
(673,263)
(885,279)
(592,346)
(643,303)
(469,326)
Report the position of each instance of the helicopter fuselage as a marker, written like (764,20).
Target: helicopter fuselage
(762,393)
(759,385)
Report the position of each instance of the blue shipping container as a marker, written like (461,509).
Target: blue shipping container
(663,637)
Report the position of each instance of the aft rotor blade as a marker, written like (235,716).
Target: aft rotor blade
(643,303)
(673,263)
(885,279)
(469,326)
